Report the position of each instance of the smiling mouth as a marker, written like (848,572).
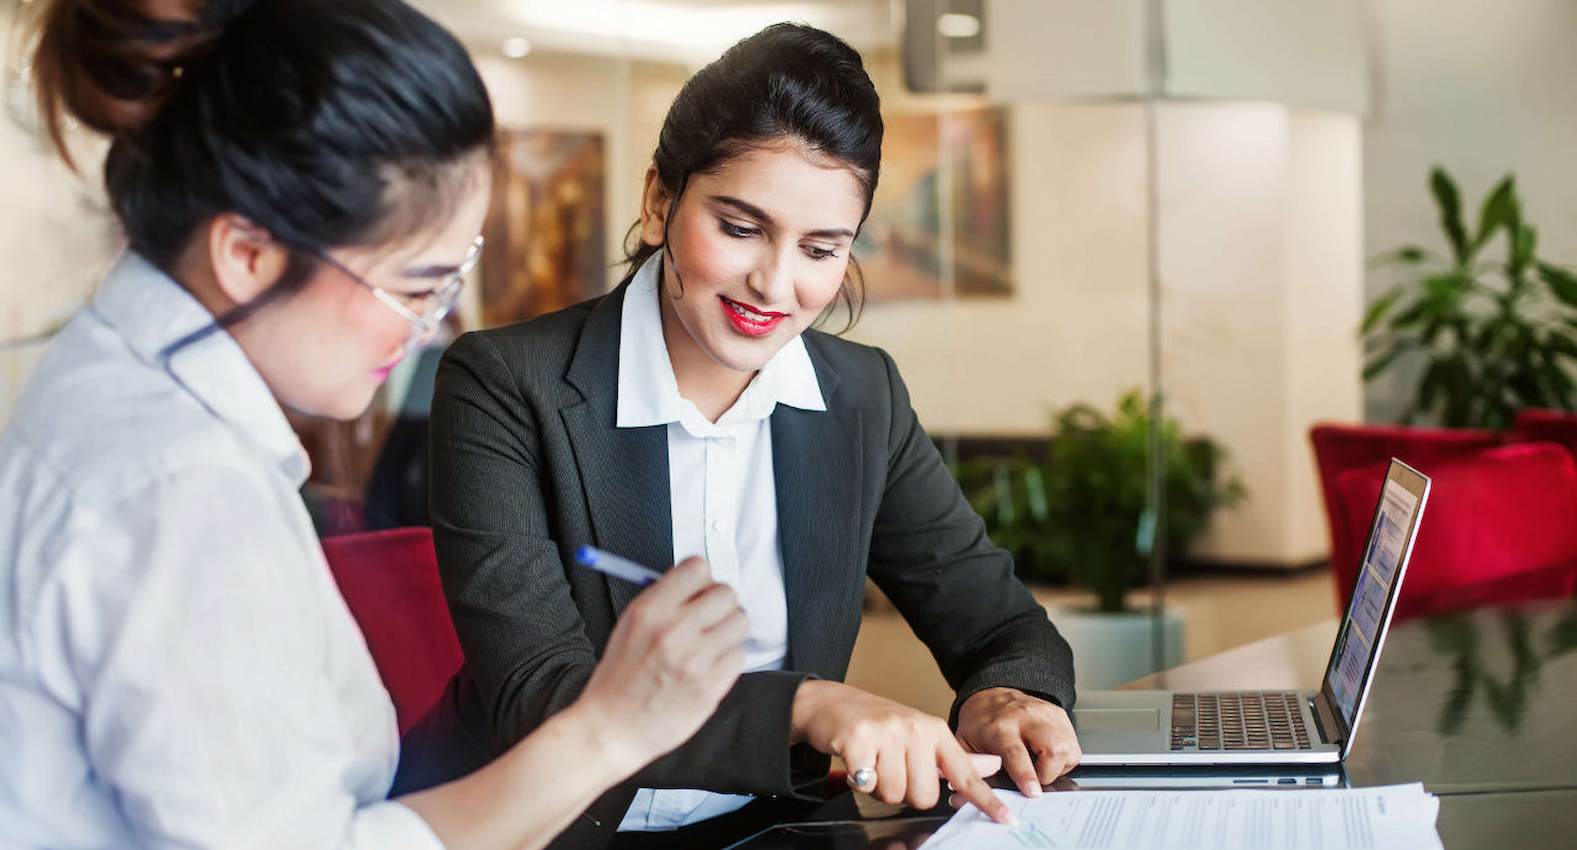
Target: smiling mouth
(748,320)
(750,312)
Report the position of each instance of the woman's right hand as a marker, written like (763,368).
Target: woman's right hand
(909,751)
(674,653)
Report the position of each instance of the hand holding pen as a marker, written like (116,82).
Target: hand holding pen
(676,650)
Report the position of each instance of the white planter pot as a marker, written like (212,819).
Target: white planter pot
(1111,649)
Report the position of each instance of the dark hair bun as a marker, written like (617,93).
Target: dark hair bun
(324,122)
(111,64)
(787,82)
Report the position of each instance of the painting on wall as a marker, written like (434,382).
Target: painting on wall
(901,248)
(546,232)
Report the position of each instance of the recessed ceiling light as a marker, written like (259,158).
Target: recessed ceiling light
(957,25)
(516,48)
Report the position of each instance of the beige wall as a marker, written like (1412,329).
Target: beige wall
(1484,89)
(56,236)
(1262,216)
(1075,328)
(1261,270)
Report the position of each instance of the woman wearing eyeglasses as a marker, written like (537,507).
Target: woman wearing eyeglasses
(300,184)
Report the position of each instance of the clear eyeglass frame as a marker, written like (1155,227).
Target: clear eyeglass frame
(438,302)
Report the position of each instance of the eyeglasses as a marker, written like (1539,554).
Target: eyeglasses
(423,310)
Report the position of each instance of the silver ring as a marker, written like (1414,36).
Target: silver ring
(862,778)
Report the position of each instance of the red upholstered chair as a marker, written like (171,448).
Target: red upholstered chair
(1338,448)
(1547,426)
(390,582)
(1501,526)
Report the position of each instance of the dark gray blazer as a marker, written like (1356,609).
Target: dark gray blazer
(527,465)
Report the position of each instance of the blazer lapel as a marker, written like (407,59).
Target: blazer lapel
(816,458)
(624,470)
(816,464)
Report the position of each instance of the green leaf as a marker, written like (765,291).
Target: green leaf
(1561,344)
(1500,210)
(1447,290)
(1560,378)
(1035,489)
(1522,248)
(1432,331)
(1378,309)
(1409,255)
(1557,384)
(1562,283)
(1002,483)
(1412,316)
(1429,385)
(1560,386)
(1459,387)
(1449,200)
(1384,361)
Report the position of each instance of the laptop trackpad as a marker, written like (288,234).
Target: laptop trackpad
(1116,719)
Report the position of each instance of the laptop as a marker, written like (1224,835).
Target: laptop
(1133,728)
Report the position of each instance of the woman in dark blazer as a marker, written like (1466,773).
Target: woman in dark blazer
(693,412)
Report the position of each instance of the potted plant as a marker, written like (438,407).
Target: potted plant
(1082,514)
(1494,336)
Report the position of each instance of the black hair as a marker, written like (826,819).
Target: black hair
(789,82)
(325,123)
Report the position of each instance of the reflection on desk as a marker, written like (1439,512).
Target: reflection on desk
(1477,706)
(1542,820)
(1475,702)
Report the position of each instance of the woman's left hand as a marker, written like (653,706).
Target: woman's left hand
(1034,737)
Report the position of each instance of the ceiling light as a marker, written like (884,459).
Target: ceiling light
(956,25)
(516,48)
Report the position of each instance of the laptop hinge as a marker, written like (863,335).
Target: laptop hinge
(1324,720)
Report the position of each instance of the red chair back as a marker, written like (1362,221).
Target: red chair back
(1339,448)
(1548,426)
(1499,526)
(390,582)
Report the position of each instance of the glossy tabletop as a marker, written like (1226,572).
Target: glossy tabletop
(1481,707)
(1527,820)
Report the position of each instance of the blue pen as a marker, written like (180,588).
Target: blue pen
(613,565)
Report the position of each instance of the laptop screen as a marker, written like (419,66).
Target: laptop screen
(1374,593)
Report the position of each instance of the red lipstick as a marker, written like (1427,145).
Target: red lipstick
(749,320)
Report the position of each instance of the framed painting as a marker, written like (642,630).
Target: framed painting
(547,229)
(941,173)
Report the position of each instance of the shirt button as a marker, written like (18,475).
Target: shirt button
(718,525)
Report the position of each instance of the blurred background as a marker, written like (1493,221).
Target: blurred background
(1168,281)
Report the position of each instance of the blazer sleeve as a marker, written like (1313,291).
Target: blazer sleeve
(525,641)
(931,556)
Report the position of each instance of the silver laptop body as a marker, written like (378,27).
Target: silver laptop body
(1272,727)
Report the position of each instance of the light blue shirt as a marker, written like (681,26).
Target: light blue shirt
(177,667)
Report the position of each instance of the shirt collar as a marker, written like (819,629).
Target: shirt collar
(649,393)
(150,312)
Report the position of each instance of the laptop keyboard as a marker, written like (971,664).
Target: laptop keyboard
(1238,721)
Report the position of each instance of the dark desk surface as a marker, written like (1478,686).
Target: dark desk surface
(1481,707)
(1526,820)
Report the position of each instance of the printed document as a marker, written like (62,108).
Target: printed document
(1399,817)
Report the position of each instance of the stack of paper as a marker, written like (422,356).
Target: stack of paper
(1397,817)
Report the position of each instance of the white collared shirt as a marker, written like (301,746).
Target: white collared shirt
(177,667)
(723,496)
